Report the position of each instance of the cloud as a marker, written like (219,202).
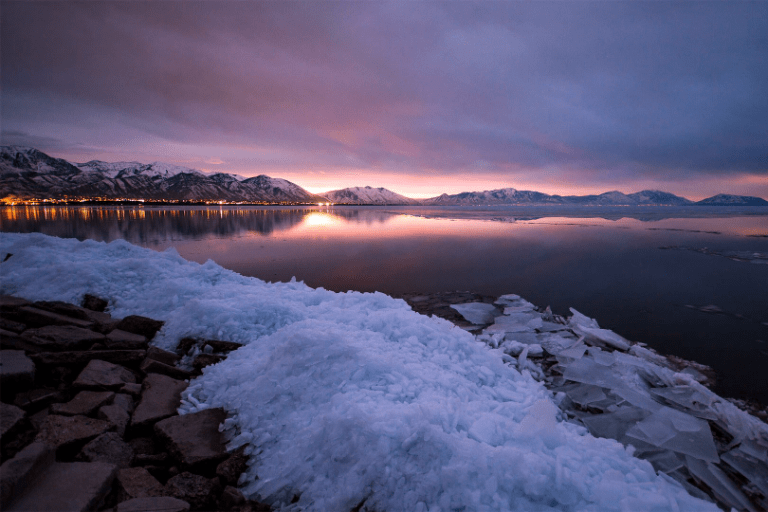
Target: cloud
(602,91)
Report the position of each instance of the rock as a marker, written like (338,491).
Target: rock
(17,473)
(9,302)
(84,403)
(152,366)
(76,486)
(131,389)
(9,325)
(70,432)
(160,398)
(59,338)
(124,401)
(10,418)
(73,311)
(230,498)
(94,303)
(17,371)
(185,344)
(36,399)
(117,339)
(140,325)
(194,439)
(163,356)
(198,491)
(156,504)
(231,469)
(108,447)
(115,416)
(137,483)
(76,358)
(155,459)
(36,317)
(143,445)
(103,375)
(203,360)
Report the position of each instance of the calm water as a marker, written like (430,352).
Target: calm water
(606,262)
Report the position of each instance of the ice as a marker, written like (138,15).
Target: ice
(476,313)
(349,397)
(755,450)
(613,425)
(665,461)
(586,394)
(636,398)
(575,352)
(527,338)
(582,320)
(720,484)
(753,469)
(601,357)
(691,399)
(587,371)
(653,430)
(601,336)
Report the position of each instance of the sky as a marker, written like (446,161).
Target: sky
(419,97)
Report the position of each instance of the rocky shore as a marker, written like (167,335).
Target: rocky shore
(89,415)
(89,408)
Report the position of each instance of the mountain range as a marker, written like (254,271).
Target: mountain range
(26,173)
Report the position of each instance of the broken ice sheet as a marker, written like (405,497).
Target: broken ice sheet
(663,460)
(476,312)
(601,357)
(721,485)
(677,431)
(602,336)
(613,425)
(586,394)
(637,398)
(582,320)
(587,371)
(653,430)
(692,399)
(753,470)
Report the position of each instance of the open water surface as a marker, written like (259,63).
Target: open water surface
(689,281)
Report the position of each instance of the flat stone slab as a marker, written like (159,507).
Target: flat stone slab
(10,417)
(76,358)
(103,375)
(160,398)
(67,487)
(109,448)
(117,339)
(9,301)
(153,366)
(163,356)
(116,416)
(17,473)
(17,371)
(158,504)
(57,430)
(85,403)
(194,439)
(198,491)
(62,337)
(36,317)
(137,483)
(95,303)
(140,325)
(36,399)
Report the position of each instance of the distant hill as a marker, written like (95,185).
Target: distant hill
(730,200)
(368,195)
(31,174)
(511,196)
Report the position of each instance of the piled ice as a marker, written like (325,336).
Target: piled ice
(627,392)
(346,399)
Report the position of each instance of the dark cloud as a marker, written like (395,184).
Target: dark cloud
(617,90)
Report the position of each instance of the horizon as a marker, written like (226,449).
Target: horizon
(420,99)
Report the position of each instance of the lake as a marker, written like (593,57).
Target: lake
(690,281)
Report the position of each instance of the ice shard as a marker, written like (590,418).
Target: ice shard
(753,470)
(477,313)
(721,485)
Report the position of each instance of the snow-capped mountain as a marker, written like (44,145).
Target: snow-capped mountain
(368,195)
(511,196)
(730,200)
(29,173)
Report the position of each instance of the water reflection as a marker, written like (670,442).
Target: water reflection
(149,226)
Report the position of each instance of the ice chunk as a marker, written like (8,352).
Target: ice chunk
(653,430)
(574,352)
(689,398)
(582,320)
(649,355)
(518,309)
(551,327)
(663,460)
(587,371)
(721,485)
(753,470)
(613,425)
(602,336)
(678,432)
(477,313)
(637,398)
(512,347)
(601,357)
(755,450)
(586,394)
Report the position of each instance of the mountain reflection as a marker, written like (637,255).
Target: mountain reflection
(144,225)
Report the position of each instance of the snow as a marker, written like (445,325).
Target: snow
(367,195)
(350,397)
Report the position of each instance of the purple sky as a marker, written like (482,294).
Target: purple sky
(418,97)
